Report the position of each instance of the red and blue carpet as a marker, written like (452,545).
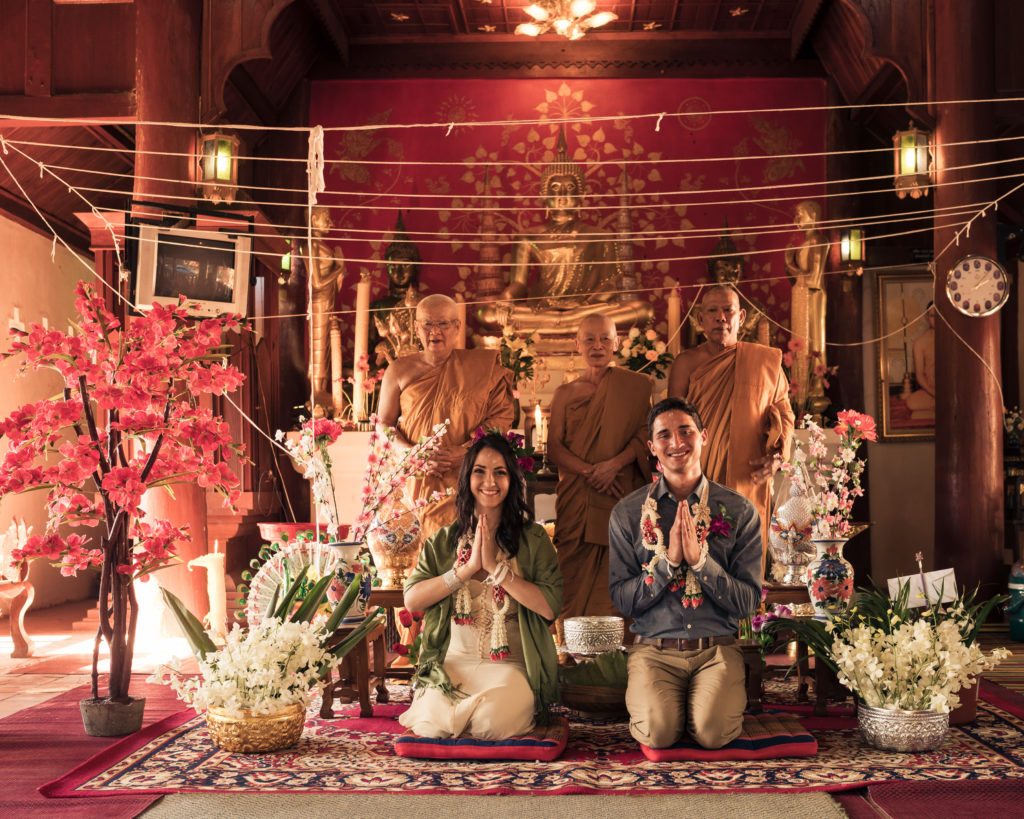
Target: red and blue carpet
(353,755)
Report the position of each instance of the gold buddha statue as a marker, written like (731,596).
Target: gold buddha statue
(726,267)
(326,268)
(393,333)
(577,271)
(805,264)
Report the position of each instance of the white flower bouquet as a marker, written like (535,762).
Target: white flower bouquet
(892,656)
(643,351)
(259,670)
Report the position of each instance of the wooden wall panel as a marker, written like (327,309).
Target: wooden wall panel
(12,47)
(84,32)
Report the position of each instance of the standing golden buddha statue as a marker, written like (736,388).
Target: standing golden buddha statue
(326,269)
(805,264)
(576,268)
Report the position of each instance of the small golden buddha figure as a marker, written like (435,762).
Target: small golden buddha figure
(805,264)
(393,332)
(326,268)
(726,267)
(576,272)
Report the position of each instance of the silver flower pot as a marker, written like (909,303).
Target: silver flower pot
(904,731)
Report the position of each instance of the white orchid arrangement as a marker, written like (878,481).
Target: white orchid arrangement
(915,666)
(831,484)
(259,670)
(644,351)
(893,656)
(1013,423)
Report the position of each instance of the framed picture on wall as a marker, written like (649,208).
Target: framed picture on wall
(905,322)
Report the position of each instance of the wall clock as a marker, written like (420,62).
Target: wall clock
(977,286)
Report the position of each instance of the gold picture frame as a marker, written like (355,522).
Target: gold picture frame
(906,355)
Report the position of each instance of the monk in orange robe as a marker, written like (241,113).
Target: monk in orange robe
(598,442)
(470,388)
(742,395)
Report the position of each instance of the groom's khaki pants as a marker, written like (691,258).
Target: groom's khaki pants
(671,693)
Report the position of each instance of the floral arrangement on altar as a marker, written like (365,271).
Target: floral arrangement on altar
(128,420)
(371,383)
(831,484)
(643,351)
(516,353)
(895,657)
(308,449)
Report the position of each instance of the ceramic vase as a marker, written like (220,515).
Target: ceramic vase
(829,579)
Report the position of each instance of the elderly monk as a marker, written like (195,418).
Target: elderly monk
(469,387)
(742,394)
(598,441)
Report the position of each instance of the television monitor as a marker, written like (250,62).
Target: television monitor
(210,269)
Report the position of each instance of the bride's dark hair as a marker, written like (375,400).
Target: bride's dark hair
(515,513)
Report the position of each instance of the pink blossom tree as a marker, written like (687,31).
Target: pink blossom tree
(128,420)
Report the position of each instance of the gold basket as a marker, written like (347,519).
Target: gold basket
(256,733)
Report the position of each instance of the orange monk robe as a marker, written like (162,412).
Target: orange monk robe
(742,396)
(598,427)
(470,388)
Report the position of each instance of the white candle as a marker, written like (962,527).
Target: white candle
(215,589)
(538,427)
(675,312)
(337,396)
(362,343)
(460,307)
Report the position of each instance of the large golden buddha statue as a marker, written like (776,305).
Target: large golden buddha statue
(393,334)
(576,270)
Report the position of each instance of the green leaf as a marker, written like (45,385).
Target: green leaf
(342,609)
(313,600)
(190,626)
(273,603)
(289,597)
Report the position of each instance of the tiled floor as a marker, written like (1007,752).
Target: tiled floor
(62,658)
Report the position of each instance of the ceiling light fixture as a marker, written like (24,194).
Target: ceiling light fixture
(569,18)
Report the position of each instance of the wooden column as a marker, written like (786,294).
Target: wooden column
(968,432)
(167,86)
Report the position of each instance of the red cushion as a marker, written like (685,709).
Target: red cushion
(764,736)
(543,744)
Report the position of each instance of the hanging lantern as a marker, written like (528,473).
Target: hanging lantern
(912,157)
(851,247)
(217,172)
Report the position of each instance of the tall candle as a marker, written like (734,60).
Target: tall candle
(538,427)
(337,396)
(675,312)
(460,308)
(215,589)
(362,343)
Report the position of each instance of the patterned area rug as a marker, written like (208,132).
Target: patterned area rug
(353,755)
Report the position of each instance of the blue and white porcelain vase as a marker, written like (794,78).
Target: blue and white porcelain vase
(829,578)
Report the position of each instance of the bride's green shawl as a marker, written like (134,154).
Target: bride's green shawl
(538,563)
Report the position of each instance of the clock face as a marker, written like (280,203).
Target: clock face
(977,286)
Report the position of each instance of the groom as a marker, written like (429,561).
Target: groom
(685,564)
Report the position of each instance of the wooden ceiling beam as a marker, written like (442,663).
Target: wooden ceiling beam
(116,138)
(803,20)
(118,106)
(327,13)
(254,97)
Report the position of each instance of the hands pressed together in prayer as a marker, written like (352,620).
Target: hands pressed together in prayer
(683,545)
(485,553)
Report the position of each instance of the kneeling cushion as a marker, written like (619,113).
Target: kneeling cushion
(764,736)
(544,743)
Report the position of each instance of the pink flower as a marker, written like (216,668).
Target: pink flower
(787,360)
(796,345)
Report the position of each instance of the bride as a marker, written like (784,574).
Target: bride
(490,588)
